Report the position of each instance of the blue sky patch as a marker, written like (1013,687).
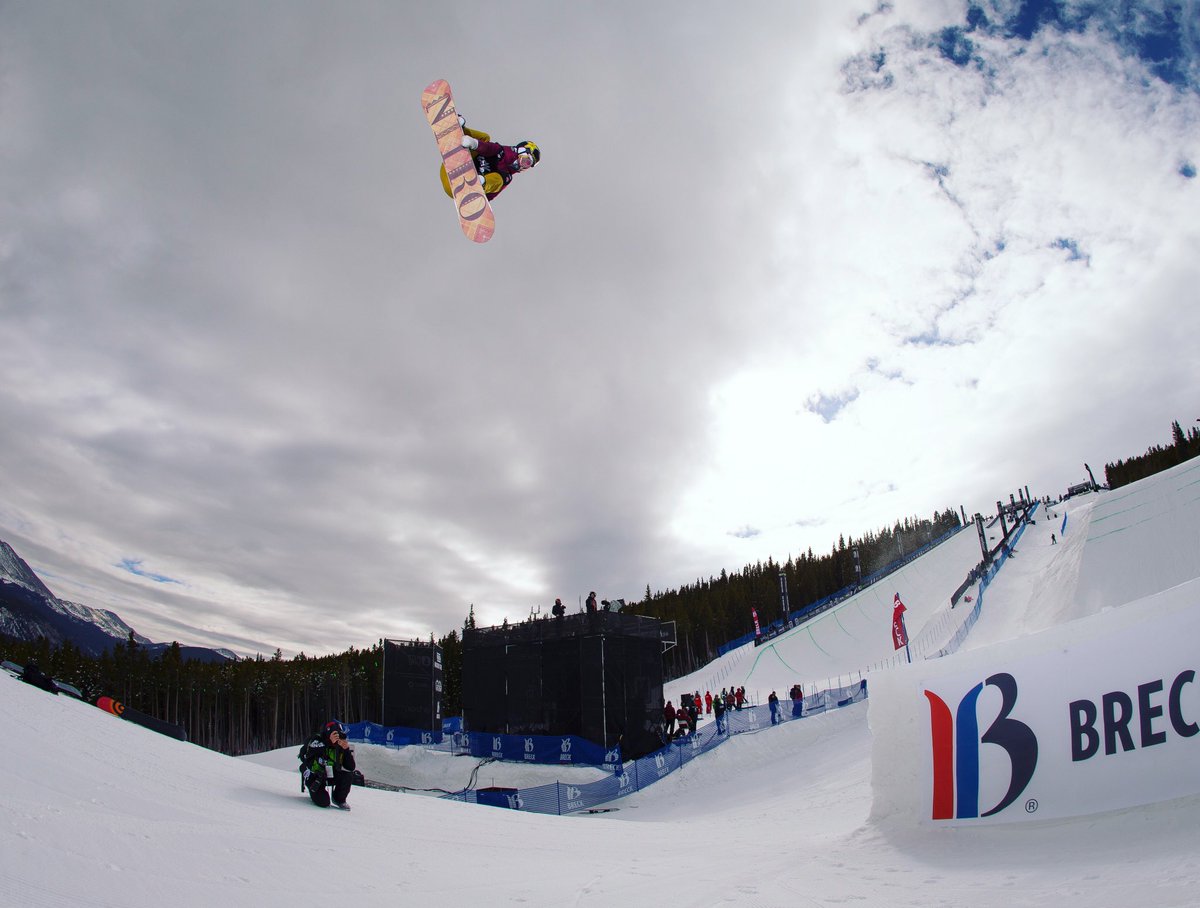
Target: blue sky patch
(1155,32)
(828,407)
(134,566)
(955,46)
(1071,247)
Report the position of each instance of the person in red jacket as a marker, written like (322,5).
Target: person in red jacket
(684,728)
(669,718)
(708,702)
(496,163)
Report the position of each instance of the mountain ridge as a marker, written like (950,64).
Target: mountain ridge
(29,610)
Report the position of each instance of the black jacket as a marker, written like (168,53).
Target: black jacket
(325,759)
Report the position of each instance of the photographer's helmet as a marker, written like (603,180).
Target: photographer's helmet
(330,728)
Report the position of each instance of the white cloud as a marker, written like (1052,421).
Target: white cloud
(246,346)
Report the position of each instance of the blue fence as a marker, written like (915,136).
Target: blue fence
(560,750)
(370,733)
(626,777)
(556,750)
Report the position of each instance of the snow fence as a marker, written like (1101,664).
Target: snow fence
(631,776)
(989,574)
(627,776)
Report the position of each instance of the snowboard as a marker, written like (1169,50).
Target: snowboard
(474,213)
(109,705)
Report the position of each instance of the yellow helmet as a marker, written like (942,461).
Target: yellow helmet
(528,146)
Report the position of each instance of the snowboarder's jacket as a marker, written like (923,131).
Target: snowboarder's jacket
(495,162)
(323,759)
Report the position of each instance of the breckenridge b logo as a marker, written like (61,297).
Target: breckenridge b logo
(956,741)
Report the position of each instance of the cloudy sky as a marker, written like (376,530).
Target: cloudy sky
(785,271)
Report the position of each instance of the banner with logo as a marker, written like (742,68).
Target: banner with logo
(560,749)
(394,736)
(1098,714)
(899,632)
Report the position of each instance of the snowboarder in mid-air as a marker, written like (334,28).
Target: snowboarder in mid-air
(496,163)
(328,757)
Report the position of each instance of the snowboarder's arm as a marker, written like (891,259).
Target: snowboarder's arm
(488,149)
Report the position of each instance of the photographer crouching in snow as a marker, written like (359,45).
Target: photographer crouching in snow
(327,758)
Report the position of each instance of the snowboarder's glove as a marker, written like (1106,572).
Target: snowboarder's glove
(470,142)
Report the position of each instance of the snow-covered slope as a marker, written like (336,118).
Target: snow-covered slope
(104,813)
(101,812)
(852,638)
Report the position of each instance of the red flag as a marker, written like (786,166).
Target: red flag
(757,630)
(899,634)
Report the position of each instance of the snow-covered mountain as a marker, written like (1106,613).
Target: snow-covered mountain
(14,570)
(109,622)
(29,610)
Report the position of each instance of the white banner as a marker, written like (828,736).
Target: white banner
(1098,714)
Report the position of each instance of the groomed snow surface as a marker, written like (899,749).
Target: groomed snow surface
(97,811)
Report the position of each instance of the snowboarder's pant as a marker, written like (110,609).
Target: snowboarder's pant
(474,134)
(342,780)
